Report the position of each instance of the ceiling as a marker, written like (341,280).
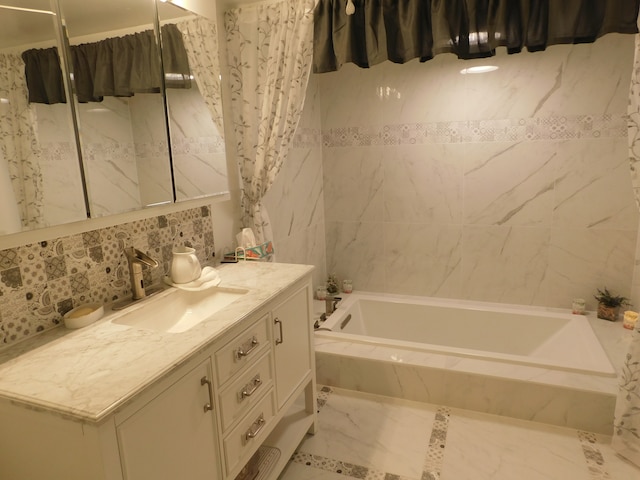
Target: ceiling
(82,16)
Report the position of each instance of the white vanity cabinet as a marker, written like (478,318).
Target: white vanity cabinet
(291,333)
(174,431)
(252,385)
(267,392)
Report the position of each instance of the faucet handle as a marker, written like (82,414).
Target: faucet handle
(136,256)
(136,260)
(331,303)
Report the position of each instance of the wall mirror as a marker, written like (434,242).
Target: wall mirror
(131,149)
(114,59)
(195,111)
(40,178)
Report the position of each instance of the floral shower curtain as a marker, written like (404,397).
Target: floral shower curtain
(200,37)
(626,434)
(269,55)
(18,140)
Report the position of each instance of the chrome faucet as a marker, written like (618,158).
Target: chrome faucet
(331,303)
(136,260)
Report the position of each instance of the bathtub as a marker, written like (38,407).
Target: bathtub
(503,333)
(525,362)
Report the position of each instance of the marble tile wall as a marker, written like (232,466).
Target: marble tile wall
(62,196)
(40,282)
(150,150)
(295,202)
(108,151)
(198,145)
(125,151)
(512,186)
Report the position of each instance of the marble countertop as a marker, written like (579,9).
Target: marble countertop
(88,373)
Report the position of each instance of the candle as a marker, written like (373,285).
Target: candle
(321,292)
(578,306)
(630,319)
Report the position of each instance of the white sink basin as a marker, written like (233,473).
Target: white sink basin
(178,310)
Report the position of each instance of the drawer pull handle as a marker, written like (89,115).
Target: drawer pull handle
(255,429)
(278,322)
(247,348)
(250,388)
(206,381)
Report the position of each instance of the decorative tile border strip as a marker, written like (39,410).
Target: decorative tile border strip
(106,151)
(323,395)
(343,468)
(593,456)
(435,453)
(213,144)
(307,138)
(480,131)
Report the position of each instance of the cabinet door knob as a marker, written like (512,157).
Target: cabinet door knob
(205,381)
(278,322)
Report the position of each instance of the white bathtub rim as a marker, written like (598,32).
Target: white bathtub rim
(350,298)
(606,370)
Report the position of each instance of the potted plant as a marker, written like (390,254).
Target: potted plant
(609,304)
(332,284)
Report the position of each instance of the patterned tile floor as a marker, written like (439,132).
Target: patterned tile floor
(379,438)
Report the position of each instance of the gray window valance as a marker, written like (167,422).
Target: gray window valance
(400,30)
(118,66)
(44,76)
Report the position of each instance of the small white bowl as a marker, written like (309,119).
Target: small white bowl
(83,315)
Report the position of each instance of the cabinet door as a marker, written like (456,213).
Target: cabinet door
(174,435)
(291,337)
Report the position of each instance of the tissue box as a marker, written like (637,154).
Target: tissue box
(254,253)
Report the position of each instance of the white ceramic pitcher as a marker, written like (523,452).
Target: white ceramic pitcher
(185,266)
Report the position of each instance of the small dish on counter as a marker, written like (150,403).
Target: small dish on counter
(83,315)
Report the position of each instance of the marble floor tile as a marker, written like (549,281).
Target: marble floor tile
(371,437)
(484,447)
(297,471)
(376,433)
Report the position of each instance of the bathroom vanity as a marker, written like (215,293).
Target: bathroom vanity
(114,401)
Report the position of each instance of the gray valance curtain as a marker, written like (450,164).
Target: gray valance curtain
(43,76)
(400,30)
(118,66)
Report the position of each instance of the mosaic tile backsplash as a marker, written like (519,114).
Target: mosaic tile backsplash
(40,282)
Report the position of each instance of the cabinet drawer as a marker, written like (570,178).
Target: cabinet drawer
(237,398)
(250,432)
(242,350)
